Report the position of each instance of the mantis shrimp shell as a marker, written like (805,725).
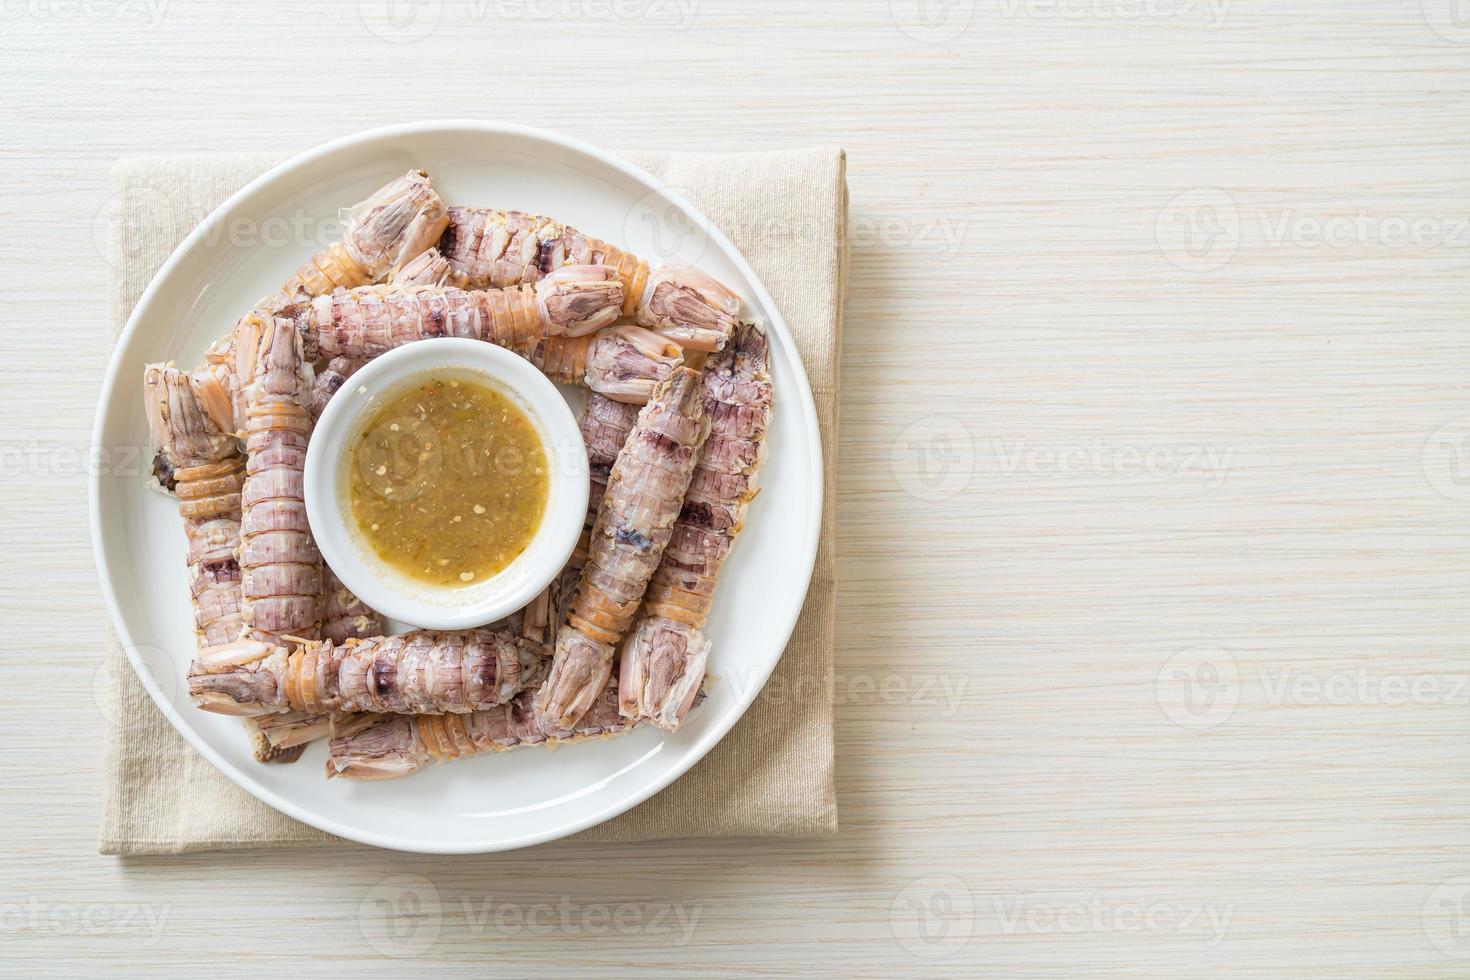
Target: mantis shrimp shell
(422,672)
(390,747)
(536,323)
(395,224)
(370,747)
(554,325)
(738,400)
(497,249)
(280,566)
(605,425)
(625,363)
(605,428)
(494,249)
(661,671)
(344,615)
(663,661)
(208,475)
(329,380)
(429,268)
(689,308)
(644,492)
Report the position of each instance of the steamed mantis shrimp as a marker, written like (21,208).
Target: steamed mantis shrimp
(644,493)
(421,672)
(663,661)
(557,325)
(400,220)
(281,570)
(497,249)
(378,747)
(285,645)
(208,473)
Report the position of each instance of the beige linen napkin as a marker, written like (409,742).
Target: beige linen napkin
(772,775)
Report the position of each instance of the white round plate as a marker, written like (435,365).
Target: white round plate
(501,800)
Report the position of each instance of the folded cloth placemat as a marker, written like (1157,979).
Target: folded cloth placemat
(772,775)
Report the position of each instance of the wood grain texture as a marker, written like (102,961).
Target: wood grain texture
(1152,651)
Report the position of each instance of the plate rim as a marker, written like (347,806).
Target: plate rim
(802,396)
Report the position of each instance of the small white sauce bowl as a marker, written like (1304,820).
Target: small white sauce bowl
(328,508)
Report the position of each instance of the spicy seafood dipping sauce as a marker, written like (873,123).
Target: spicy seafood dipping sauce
(448,481)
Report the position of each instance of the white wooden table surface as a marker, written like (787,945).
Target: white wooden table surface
(1153,482)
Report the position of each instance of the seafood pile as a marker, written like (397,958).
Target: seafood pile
(679,402)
